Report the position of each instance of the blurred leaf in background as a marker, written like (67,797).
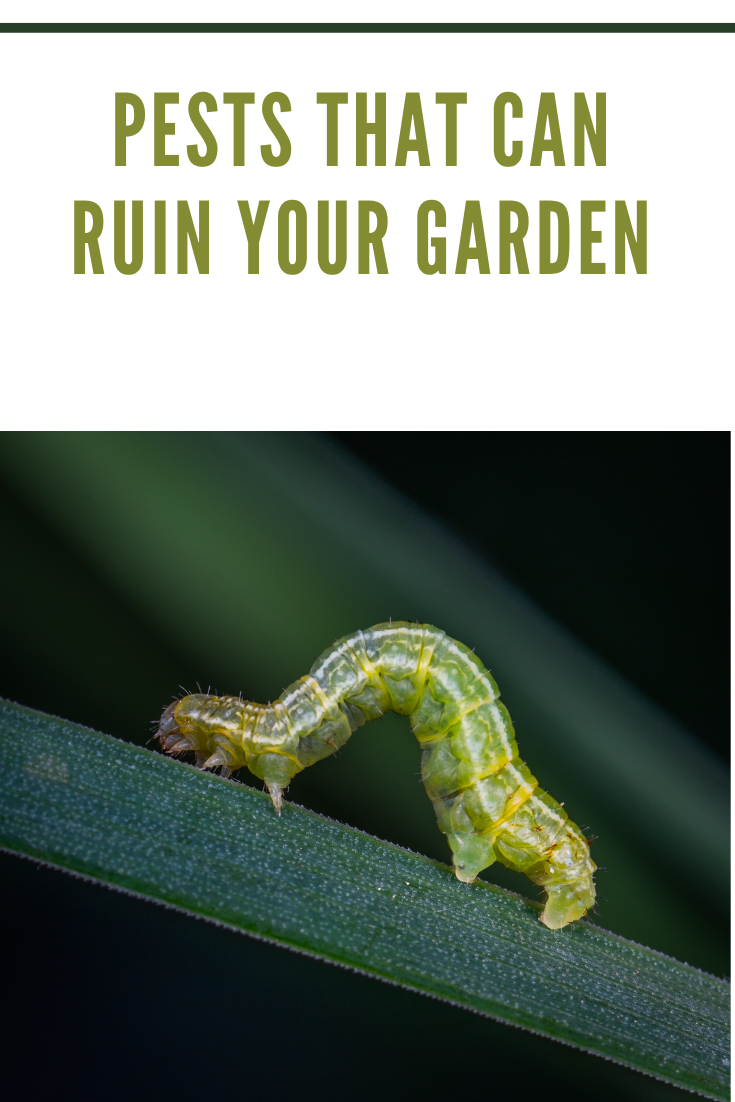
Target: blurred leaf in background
(623,537)
(133,563)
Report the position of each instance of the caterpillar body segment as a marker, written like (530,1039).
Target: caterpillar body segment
(487,802)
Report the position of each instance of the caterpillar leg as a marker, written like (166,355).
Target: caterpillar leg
(470,855)
(552,851)
(566,902)
(276,794)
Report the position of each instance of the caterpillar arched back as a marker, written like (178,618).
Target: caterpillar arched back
(486,800)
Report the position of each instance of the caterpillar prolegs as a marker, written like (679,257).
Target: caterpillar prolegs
(486,800)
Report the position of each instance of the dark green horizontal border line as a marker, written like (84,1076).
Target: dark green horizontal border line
(367,28)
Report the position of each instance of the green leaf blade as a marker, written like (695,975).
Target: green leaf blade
(134,820)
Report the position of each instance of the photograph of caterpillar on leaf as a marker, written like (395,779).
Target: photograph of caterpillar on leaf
(486,800)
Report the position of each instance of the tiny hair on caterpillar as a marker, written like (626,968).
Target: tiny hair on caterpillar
(486,800)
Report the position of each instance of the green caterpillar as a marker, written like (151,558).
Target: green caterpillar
(486,800)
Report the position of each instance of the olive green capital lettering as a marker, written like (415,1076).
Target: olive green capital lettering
(291,206)
(597,133)
(123,128)
(637,242)
(514,238)
(546,265)
(161,129)
(276,160)
(159,239)
(367,238)
(451,100)
(516,110)
(363,128)
(186,234)
(136,258)
(332,101)
(201,160)
(412,115)
(590,237)
(340,245)
(238,101)
(438,244)
(547,113)
(87,239)
(253,230)
(472,224)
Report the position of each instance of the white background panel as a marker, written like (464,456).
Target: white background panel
(404,350)
(380,11)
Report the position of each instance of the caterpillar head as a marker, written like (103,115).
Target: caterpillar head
(184,726)
(169,732)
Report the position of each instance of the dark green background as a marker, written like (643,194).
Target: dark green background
(622,537)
